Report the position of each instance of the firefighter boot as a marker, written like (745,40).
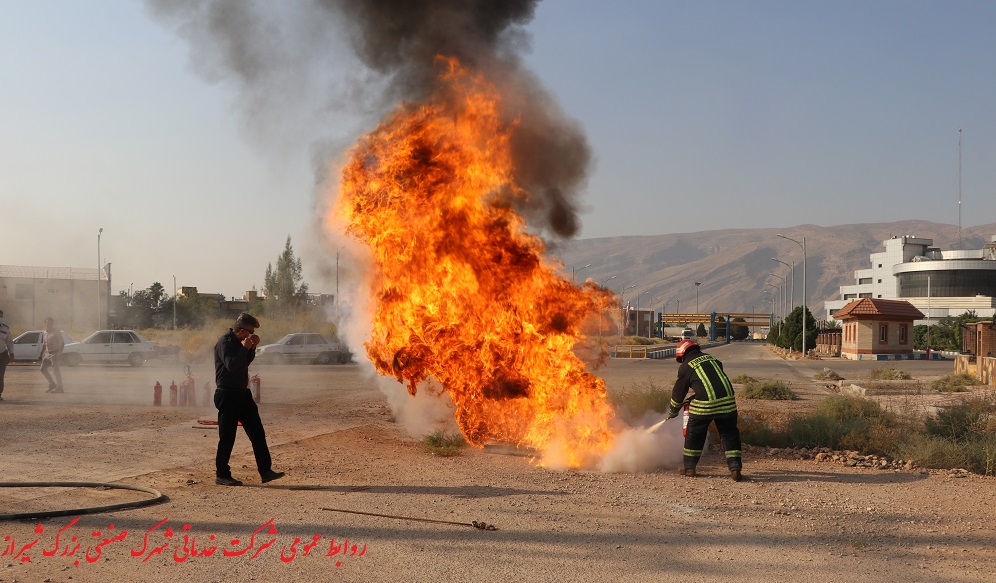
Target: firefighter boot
(687,472)
(735,475)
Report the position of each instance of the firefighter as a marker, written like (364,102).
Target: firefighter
(712,401)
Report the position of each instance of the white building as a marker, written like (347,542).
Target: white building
(938,283)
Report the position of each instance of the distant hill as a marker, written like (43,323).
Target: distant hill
(733,264)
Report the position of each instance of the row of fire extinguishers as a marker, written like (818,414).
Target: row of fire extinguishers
(184,396)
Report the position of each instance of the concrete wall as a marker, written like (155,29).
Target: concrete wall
(982,367)
(26,302)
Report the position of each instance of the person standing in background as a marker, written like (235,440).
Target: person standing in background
(52,345)
(6,351)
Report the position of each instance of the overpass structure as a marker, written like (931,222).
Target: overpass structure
(710,321)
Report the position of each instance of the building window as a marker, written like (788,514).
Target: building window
(883,333)
(865,280)
(880,265)
(879,295)
(850,296)
(865,295)
(903,339)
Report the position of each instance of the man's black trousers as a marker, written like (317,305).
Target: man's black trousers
(235,405)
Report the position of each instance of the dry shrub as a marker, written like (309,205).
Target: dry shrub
(444,444)
(756,430)
(953,383)
(827,375)
(889,373)
(933,452)
(768,390)
(742,379)
(634,402)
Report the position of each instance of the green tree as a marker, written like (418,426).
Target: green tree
(140,306)
(791,331)
(283,284)
(701,331)
(774,333)
(739,332)
(946,334)
(720,327)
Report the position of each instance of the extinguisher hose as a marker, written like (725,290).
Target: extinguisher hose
(158,498)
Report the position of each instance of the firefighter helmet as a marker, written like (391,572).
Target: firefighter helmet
(683,348)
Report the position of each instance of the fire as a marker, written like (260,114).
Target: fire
(462,292)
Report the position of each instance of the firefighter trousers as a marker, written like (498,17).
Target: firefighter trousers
(698,427)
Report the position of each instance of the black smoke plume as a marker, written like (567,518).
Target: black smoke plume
(289,63)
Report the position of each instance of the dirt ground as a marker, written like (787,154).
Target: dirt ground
(331,430)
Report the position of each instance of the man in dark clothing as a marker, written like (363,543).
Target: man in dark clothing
(6,351)
(712,401)
(232,355)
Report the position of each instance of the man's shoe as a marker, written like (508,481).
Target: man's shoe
(50,389)
(735,475)
(687,473)
(58,390)
(227,481)
(270,475)
(1,398)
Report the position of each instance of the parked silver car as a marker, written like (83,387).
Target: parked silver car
(110,346)
(304,347)
(28,346)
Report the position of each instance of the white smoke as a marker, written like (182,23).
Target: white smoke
(637,450)
(430,410)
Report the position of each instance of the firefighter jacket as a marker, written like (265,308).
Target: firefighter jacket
(712,391)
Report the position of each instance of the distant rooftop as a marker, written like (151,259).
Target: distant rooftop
(900,309)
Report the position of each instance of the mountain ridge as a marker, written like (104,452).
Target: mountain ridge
(733,264)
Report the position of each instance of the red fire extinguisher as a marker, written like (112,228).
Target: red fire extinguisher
(206,400)
(684,420)
(172,393)
(157,394)
(254,386)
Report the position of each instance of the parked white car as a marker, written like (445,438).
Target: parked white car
(110,346)
(303,347)
(28,346)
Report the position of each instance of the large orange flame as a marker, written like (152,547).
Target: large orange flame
(462,293)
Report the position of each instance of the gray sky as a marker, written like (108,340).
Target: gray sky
(701,115)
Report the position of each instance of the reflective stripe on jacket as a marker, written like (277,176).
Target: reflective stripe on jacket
(711,388)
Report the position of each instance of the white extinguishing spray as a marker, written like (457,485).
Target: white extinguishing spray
(684,421)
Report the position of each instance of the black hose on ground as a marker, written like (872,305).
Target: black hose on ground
(159,499)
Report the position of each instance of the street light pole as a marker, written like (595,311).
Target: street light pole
(777,291)
(781,297)
(697,284)
(99,231)
(792,293)
(805,311)
(174,302)
(574,271)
